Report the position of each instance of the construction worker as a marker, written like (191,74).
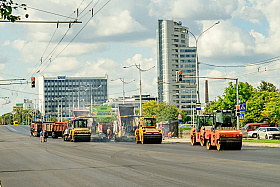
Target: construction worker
(45,136)
(108,132)
(66,134)
(41,136)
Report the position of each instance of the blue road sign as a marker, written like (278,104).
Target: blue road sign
(45,116)
(243,107)
(69,118)
(37,116)
(198,106)
(242,117)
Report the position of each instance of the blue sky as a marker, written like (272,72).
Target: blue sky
(124,33)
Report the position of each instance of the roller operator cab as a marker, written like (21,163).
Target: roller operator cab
(223,134)
(78,131)
(147,131)
(204,123)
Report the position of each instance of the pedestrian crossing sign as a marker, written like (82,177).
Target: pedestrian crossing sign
(242,117)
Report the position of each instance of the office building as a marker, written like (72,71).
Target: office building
(175,54)
(70,93)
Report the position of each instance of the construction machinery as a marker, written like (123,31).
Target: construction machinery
(204,123)
(147,131)
(223,135)
(103,127)
(78,131)
(36,128)
(127,123)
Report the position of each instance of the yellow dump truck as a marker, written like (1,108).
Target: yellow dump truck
(147,131)
(78,131)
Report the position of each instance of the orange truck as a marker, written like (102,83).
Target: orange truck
(224,134)
(54,129)
(204,123)
(36,128)
(58,129)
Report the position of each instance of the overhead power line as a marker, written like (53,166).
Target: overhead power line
(245,65)
(68,17)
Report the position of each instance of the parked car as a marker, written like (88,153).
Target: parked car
(253,134)
(268,133)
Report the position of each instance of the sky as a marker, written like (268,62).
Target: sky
(123,33)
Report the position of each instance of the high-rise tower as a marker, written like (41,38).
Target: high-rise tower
(175,54)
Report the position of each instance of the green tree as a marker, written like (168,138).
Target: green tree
(162,111)
(266,86)
(255,106)
(228,100)
(271,109)
(7,7)
(53,118)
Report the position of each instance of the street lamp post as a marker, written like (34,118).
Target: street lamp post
(140,70)
(196,69)
(122,79)
(91,88)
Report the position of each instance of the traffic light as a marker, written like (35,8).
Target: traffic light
(180,76)
(32,82)
(237,112)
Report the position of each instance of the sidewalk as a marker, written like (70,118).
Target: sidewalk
(188,140)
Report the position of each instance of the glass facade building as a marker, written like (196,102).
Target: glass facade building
(175,54)
(70,93)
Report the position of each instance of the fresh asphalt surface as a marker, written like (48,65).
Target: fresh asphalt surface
(24,161)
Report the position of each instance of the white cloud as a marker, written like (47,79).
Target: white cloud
(121,23)
(6,43)
(251,14)
(224,39)
(2,66)
(189,9)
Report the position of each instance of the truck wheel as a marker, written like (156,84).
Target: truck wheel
(208,145)
(219,145)
(254,135)
(266,136)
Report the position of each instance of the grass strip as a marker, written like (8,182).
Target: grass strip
(262,141)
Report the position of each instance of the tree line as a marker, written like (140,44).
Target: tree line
(263,102)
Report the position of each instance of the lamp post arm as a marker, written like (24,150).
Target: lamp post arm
(208,28)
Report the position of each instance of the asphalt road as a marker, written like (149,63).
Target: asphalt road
(24,161)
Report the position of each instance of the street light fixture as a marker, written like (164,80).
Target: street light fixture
(122,79)
(138,67)
(197,73)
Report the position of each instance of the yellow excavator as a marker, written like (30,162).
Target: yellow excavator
(78,131)
(147,131)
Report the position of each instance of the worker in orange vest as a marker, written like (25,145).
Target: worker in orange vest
(108,132)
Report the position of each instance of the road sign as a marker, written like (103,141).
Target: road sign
(179,116)
(69,118)
(242,117)
(198,106)
(37,116)
(179,110)
(243,107)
